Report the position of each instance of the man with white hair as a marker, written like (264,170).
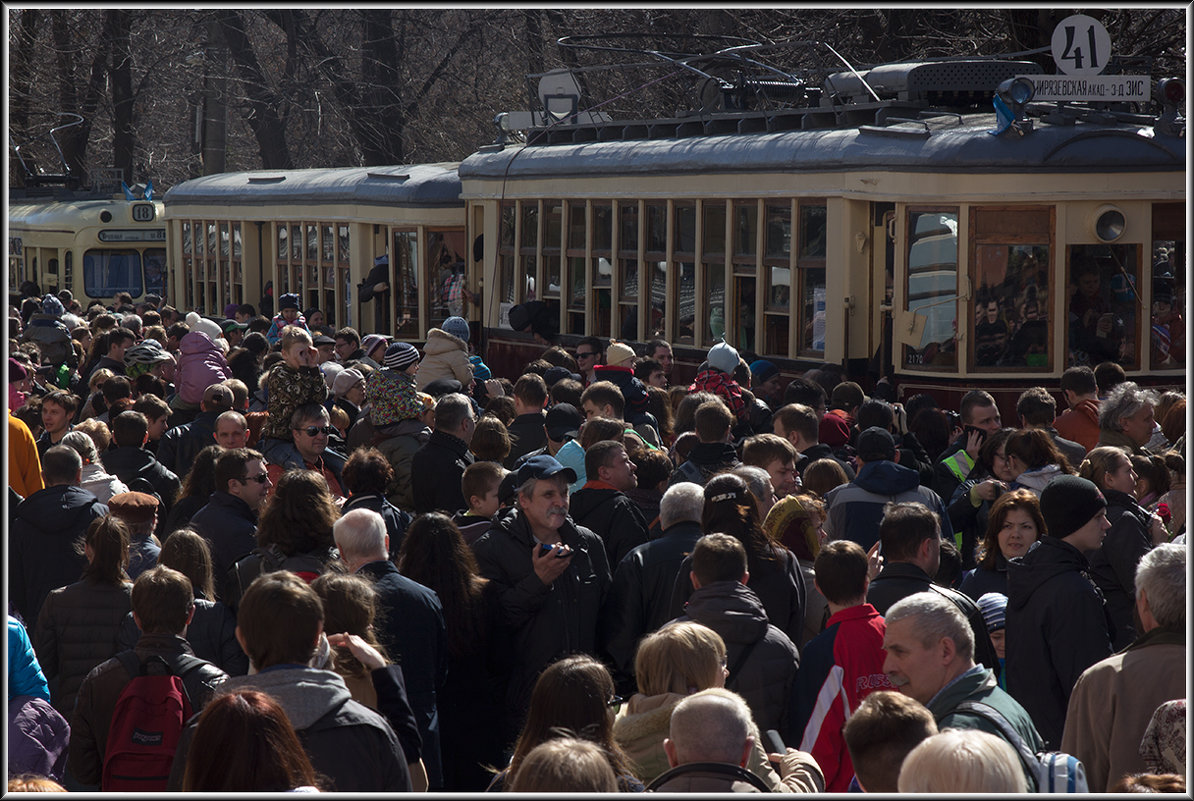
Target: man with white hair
(711,738)
(640,597)
(930,656)
(410,623)
(1126,418)
(551,576)
(1114,699)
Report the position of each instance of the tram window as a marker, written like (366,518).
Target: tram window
(656,253)
(1167,329)
(1011,306)
(746,226)
(106,272)
(684,263)
(713,257)
(602,266)
(404,278)
(932,289)
(186,237)
(812,232)
(506,255)
(155,271)
(811,269)
(553,223)
(1104,297)
(577,279)
(627,262)
(445,250)
(777,257)
(52,266)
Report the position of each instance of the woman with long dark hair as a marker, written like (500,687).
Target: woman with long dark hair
(1035,459)
(244,743)
(78,624)
(197,487)
(1013,525)
(572,697)
(774,570)
(470,703)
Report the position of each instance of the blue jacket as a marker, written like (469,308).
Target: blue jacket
(856,509)
(24,673)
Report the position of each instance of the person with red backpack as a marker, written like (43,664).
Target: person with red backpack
(131,709)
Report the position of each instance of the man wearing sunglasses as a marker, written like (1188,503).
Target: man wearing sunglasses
(589,353)
(311,426)
(229,520)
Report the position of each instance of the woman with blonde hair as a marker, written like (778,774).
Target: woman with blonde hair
(1113,564)
(671,664)
(962,761)
(797,522)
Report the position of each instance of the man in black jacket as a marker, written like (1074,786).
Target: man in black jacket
(41,551)
(229,520)
(714,453)
(437,467)
(526,430)
(602,504)
(911,539)
(181,444)
(640,597)
(129,461)
(552,576)
(347,742)
(411,624)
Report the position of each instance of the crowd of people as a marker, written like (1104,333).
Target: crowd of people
(252,553)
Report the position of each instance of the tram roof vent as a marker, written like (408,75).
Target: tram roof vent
(948,83)
(397,177)
(266,179)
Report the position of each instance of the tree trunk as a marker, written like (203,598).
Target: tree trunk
(260,103)
(120,72)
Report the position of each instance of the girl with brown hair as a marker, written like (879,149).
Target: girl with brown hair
(1013,525)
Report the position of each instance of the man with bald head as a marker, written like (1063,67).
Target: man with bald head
(181,444)
(232,430)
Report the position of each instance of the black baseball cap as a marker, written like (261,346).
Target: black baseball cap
(563,422)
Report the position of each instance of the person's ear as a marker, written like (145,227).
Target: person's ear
(747,749)
(949,650)
(669,748)
(692,576)
(190,615)
(745,577)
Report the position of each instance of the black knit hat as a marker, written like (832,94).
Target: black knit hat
(1068,503)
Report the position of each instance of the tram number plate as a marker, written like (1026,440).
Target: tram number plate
(143,212)
(1092,88)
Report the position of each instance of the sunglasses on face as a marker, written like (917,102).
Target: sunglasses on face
(260,478)
(580,355)
(315,431)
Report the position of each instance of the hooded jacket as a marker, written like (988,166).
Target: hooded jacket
(129,463)
(640,597)
(705,460)
(201,363)
(548,621)
(1036,479)
(1113,565)
(347,742)
(41,548)
(98,696)
(398,443)
(1080,424)
(1057,627)
(856,509)
(101,484)
(611,515)
(1114,700)
(765,678)
(444,356)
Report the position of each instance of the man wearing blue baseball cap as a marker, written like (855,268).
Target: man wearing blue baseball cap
(552,577)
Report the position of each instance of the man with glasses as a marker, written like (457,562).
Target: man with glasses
(229,520)
(588,355)
(311,425)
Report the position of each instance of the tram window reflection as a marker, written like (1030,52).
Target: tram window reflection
(1103,302)
(405,280)
(1011,327)
(932,289)
(1167,328)
(106,272)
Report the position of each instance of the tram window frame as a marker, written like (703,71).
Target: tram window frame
(681,258)
(807,263)
(574,283)
(1013,228)
(600,282)
(911,218)
(712,236)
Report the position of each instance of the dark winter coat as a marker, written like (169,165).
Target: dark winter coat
(76,631)
(969,519)
(129,464)
(898,580)
(822,451)
(640,597)
(352,745)
(398,442)
(548,621)
(41,546)
(181,444)
(396,520)
(99,693)
(411,627)
(776,580)
(855,510)
(609,514)
(436,469)
(981,580)
(211,634)
(705,460)
(526,434)
(230,528)
(1057,627)
(764,675)
(1113,565)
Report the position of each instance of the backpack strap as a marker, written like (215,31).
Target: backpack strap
(130,662)
(1027,755)
(723,768)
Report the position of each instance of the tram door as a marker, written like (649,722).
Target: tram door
(883,242)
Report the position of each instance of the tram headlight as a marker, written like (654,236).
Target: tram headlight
(1109,223)
(1017,91)
(1171,91)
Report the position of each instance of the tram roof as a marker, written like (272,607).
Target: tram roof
(402,185)
(942,144)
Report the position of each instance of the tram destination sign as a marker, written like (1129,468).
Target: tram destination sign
(148,235)
(1091,88)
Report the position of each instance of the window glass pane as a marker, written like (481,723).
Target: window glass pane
(715,297)
(186,236)
(528,272)
(743,337)
(603,226)
(343,236)
(551,264)
(106,272)
(283,248)
(312,242)
(812,310)
(1167,330)
(445,263)
(933,286)
(746,220)
(779,288)
(329,244)
(776,335)
(778,237)
(713,231)
(812,232)
(296,242)
(507,233)
(1011,306)
(155,271)
(685,305)
(530,225)
(656,228)
(1103,303)
(685,241)
(551,234)
(405,280)
(576,226)
(577,282)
